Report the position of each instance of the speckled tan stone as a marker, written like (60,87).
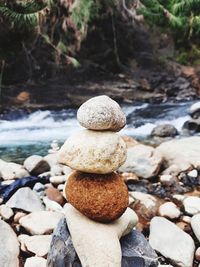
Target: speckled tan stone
(93,152)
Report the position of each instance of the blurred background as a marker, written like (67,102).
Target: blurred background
(54,55)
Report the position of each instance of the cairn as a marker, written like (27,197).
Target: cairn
(97,215)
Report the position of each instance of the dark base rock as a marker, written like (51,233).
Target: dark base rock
(136,251)
(193,125)
(62,252)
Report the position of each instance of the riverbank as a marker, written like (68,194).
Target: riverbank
(173,83)
(164,185)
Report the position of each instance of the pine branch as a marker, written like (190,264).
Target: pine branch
(18,19)
(196,24)
(23,14)
(185,7)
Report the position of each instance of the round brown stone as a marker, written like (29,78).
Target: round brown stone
(23,97)
(100,197)
(55,195)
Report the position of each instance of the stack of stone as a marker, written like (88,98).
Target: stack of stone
(94,189)
(54,147)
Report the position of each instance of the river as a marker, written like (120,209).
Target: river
(23,134)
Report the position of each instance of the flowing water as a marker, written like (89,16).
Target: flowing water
(22,135)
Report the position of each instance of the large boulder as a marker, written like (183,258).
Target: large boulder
(93,152)
(101,113)
(9,246)
(98,245)
(142,160)
(171,242)
(180,154)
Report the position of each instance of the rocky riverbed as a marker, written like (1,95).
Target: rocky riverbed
(163,183)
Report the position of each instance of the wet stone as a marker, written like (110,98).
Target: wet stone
(137,252)
(140,186)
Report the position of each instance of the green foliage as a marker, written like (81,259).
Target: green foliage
(18,19)
(83,12)
(62,48)
(23,14)
(63,25)
(2,65)
(186,57)
(182,58)
(74,62)
(181,16)
(196,24)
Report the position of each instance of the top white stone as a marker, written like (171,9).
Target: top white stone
(101,113)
